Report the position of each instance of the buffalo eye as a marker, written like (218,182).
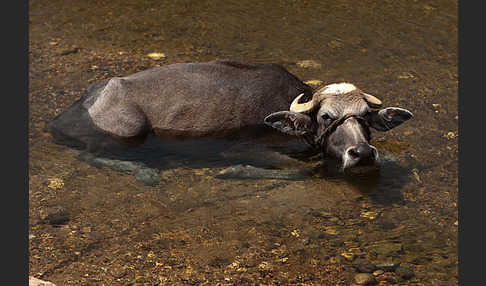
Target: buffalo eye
(325,117)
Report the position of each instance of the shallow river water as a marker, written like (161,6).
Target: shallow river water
(99,226)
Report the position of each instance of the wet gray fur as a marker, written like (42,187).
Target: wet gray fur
(189,99)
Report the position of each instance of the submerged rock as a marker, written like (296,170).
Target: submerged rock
(144,174)
(387,248)
(309,64)
(364,279)
(37,282)
(404,273)
(156,56)
(387,266)
(56,215)
(148,176)
(364,266)
(378,272)
(250,172)
(314,82)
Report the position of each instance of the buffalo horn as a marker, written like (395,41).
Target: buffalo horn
(372,101)
(307,107)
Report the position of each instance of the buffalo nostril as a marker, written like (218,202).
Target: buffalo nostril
(353,152)
(362,151)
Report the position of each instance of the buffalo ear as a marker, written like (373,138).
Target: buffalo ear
(291,123)
(388,118)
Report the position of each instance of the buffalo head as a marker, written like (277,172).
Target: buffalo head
(337,121)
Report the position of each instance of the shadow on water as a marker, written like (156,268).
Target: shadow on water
(382,184)
(272,151)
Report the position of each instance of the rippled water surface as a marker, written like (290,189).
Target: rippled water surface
(98,226)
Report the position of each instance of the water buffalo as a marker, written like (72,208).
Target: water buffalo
(336,120)
(217,98)
(220,98)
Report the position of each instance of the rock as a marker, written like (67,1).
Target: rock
(369,214)
(148,176)
(390,277)
(317,235)
(364,279)
(55,183)
(378,272)
(156,56)
(69,51)
(56,215)
(415,173)
(309,64)
(450,135)
(144,174)
(336,260)
(250,172)
(314,82)
(404,273)
(387,266)
(348,255)
(37,282)
(335,44)
(387,248)
(364,266)
(386,224)
(436,282)
(332,231)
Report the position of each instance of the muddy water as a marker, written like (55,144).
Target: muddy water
(97,226)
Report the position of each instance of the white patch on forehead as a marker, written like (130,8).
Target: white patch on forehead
(354,130)
(338,88)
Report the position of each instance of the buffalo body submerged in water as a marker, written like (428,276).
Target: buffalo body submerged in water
(219,98)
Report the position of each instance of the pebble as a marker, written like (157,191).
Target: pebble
(37,282)
(69,51)
(309,64)
(378,272)
(364,266)
(148,176)
(404,273)
(348,255)
(317,235)
(369,214)
(56,215)
(387,248)
(331,231)
(364,279)
(334,44)
(156,56)
(406,75)
(390,277)
(436,282)
(250,172)
(450,135)
(387,266)
(416,175)
(55,183)
(408,132)
(314,82)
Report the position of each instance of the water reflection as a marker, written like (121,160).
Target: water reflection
(382,183)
